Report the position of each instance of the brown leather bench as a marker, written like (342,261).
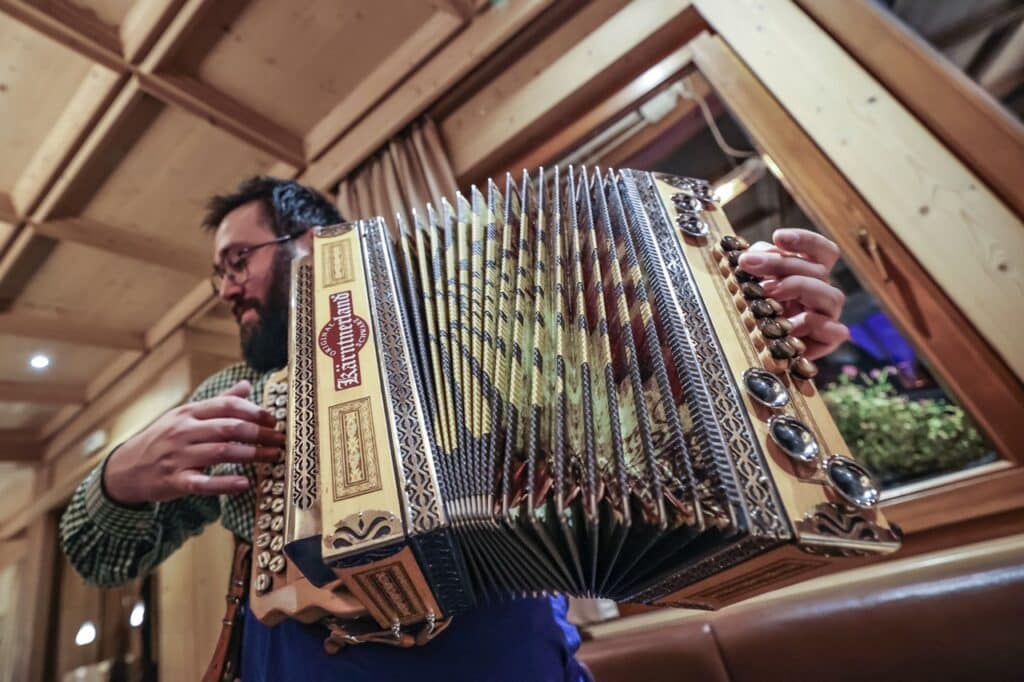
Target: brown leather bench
(954,615)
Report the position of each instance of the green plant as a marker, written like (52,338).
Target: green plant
(897,437)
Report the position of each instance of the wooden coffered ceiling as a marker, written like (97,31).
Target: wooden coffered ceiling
(118,118)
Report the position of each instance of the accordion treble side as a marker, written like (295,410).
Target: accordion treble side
(564,385)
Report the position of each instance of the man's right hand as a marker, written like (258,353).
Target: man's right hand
(168,458)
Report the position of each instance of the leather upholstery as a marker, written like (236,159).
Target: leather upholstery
(955,616)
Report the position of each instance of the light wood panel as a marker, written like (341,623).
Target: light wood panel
(80,281)
(79,603)
(35,596)
(278,55)
(85,107)
(963,235)
(192,583)
(92,39)
(979,382)
(29,111)
(976,127)
(165,201)
(225,112)
(379,79)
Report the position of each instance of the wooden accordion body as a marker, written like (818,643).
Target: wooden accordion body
(565,385)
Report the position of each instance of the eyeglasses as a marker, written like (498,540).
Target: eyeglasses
(235,267)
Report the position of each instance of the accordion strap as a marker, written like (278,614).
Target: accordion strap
(224,666)
(343,634)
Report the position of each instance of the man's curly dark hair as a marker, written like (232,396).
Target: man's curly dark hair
(289,206)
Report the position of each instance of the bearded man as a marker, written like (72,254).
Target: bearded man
(195,463)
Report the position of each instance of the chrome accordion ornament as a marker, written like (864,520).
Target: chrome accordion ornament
(563,384)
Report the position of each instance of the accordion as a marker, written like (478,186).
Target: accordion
(563,384)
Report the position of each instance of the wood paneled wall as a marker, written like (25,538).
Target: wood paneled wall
(192,584)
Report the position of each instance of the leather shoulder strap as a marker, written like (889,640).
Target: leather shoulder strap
(224,667)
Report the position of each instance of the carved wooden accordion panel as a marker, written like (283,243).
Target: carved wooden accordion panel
(559,384)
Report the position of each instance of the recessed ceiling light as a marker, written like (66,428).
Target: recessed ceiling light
(86,634)
(138,614)
(39,361)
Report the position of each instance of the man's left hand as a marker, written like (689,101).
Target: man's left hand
(795,269)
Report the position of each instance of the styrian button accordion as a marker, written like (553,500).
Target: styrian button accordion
(563,384)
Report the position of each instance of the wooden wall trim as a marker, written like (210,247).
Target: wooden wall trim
(982,133)
(973,372)
(970,498)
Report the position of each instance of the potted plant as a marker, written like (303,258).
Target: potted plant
(899,438)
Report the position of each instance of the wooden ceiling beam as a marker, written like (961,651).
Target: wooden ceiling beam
(651,144)
(485,34)
(72,27)
(126,116)
(8,213)
(126,242)
(37,392)
(739,179)
(463,10)
(25,254)
(93,95)
(69,330)
(199,24)
(143,24)
(597,118)
(382,80)
(206,102)
(601,63)
(159,78)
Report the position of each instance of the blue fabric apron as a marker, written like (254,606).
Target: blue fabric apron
(515,640)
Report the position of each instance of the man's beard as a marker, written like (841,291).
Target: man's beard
(265,342)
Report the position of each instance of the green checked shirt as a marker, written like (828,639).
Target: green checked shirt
(110,544)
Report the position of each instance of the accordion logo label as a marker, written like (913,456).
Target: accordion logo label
(342,338)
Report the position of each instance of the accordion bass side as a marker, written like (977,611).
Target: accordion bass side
(564,384)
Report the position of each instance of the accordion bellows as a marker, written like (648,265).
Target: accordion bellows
(562,384)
